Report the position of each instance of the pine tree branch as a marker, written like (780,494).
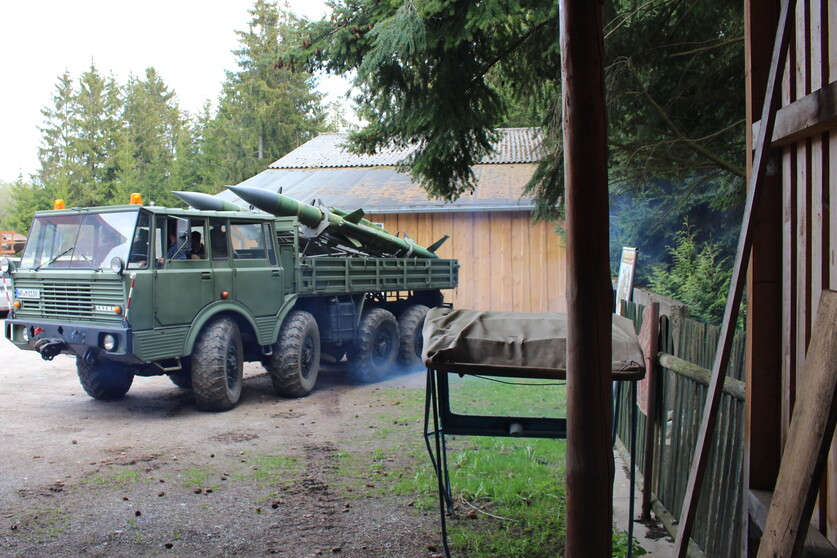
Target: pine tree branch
(707,48)
(693,144)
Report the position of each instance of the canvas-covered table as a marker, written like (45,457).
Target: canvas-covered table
(507,345)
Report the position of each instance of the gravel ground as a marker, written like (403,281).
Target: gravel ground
(149,475)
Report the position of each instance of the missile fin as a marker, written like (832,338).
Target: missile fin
(438,244)
(355,216)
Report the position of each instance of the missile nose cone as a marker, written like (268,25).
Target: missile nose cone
(262,199)
(202,201)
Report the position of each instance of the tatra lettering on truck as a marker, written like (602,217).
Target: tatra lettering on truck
(194,293)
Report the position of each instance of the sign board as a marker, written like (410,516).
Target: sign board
(625,284)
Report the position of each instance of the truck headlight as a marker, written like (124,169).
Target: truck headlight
(5,265)
(117,265)
(108,342)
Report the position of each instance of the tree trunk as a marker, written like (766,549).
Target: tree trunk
(589,293)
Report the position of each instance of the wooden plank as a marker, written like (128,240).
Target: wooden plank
(809,116)
(501,270)
(649,337)
(719,368)
(789,284)
(521,265)
(816,45)
(539,292)
(830,39)
(816,545)
(556,273)
(463,249)
(811,429)
(481,263)
(803,262)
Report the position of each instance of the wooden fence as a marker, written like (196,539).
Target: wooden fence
(685,360)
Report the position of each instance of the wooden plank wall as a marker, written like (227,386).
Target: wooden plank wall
(507,263)
(809,183)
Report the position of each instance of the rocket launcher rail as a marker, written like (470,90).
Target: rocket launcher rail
(350,229)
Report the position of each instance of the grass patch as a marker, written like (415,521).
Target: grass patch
(509,492)
(116,478)
(509,495)
(478,395)
(39,524)
(197,477)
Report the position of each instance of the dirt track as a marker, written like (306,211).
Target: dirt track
(150,475)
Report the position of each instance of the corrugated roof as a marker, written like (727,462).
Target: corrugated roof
(516,145)
(384,190)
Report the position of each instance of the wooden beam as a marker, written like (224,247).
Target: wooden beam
(809,440)
(649,339)
(805,118)
(737,282)
(590,464)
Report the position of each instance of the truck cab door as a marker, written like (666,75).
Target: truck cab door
(184,282)
(259,281)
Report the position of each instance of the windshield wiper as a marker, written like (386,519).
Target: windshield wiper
(65,252)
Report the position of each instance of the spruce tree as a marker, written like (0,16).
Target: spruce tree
(266,110)
(154,152)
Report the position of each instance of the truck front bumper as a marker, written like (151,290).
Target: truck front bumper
(50,339)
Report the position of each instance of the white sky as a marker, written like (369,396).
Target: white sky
(189,42)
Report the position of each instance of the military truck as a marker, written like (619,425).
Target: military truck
(194,293)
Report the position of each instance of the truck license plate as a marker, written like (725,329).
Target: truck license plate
(27,293)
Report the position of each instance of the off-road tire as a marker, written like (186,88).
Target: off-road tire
(104,380)
(410,323)
(218,366)
(295,362)
(373,356)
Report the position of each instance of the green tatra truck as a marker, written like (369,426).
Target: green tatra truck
(193,293)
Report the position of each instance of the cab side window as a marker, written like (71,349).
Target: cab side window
(138,257)
(197,248)
(218,242)
(248,241)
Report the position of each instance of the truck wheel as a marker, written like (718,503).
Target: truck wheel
(410,323)
(373,355)
(295,362)
(217,366)
(105,380)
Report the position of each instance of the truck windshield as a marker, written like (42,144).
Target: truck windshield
(79,240)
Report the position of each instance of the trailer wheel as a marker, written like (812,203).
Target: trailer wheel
(410,323)
(217,366)
(105,380)
(373,355)
(295,362)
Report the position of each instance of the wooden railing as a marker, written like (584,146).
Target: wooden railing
(686,353)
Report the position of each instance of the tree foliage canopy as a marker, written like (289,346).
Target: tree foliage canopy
(102,140)
(444,74)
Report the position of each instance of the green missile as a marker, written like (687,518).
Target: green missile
(205,202)
(355,216)
(357,234)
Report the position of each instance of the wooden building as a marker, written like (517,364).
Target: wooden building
(794,256)
(507,263)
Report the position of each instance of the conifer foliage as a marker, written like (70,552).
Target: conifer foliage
(102,140)
(443,74)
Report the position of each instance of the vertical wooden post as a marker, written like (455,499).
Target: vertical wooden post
(589,292)
(762,422)
(649,338)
